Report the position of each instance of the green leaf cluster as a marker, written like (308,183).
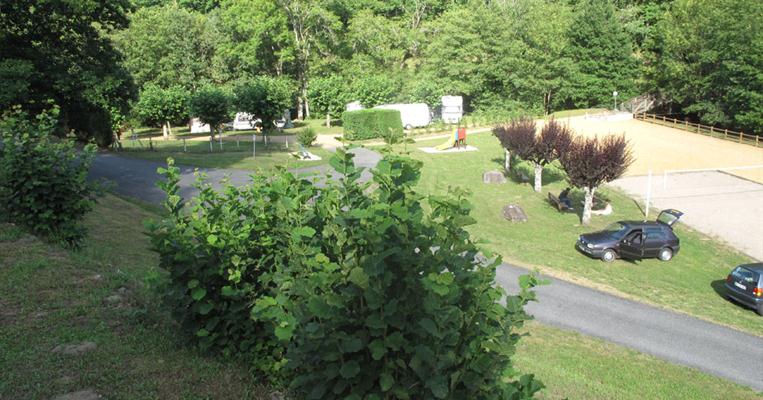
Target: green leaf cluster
(371,123)
(351,290)
(43,180)
(157,106)
(265,98)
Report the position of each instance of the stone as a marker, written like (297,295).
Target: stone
(81,395)
(114,299)
(493,177)
(75,349)
(513,212)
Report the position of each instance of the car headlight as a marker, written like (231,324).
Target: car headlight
(589,245)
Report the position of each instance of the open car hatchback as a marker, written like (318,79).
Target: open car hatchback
(634,239)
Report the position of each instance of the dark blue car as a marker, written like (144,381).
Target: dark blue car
(745,286)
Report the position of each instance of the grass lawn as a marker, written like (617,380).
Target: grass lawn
(49,297)
(233,156)
(689,283)
(575,366)
(576,113)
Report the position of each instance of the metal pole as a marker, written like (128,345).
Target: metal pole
(254,145)
(220,139)
(648,195)
(185,150)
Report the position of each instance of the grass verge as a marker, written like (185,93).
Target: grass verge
(233,155)
(691,283)
(50,297)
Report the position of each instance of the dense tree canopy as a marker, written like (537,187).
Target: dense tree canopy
(59,51)
(701,58)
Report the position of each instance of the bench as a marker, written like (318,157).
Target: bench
(558,204)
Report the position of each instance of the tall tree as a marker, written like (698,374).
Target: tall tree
(603,53)
(313,27)
(212,106)
(709,61)
(170,46)
(60,51)
(256,38)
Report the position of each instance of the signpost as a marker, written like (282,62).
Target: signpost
(614,94)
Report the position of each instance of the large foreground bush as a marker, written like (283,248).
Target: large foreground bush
(371,123)
(361,290)
(43,180)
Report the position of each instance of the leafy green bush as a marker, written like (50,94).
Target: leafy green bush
(216,256)
(306,136)
(371,123)
(265,98)
(43,180)
(212,106)
(361,293)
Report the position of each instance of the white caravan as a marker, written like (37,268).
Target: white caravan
(198,127)
(413,115)
(244,122)
(452,109)
(354,106)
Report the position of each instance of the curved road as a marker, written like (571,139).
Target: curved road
(675,337)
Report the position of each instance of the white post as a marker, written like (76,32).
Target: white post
(648,195)
(220,139)
(287,142)
(254,145)
(184,148)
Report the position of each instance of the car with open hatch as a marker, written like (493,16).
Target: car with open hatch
(634,239)
(744,285)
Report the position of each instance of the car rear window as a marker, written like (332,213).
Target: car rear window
(746,275)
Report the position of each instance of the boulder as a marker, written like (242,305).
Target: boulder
(493,177)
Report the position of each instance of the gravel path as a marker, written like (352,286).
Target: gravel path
(671,336)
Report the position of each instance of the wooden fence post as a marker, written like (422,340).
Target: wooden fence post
(663,118)
(740,137)
(725,133)
(698,128)
(711,130)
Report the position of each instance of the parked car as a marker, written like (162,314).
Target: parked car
(634,239)
(745,286)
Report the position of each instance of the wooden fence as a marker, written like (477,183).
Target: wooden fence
(739,137)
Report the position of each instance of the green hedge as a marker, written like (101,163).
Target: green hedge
(371,123)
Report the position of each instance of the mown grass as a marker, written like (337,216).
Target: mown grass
(690,283)
(234,155)
(49,296)
(575,366)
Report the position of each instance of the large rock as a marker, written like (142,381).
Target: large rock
(513,212)
(81,395)
(75,349)
(493,177)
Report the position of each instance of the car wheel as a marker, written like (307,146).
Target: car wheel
(760,310)
(665,254)
(608,255)
(408,127)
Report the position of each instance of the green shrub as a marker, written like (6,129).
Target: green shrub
(217,254)
(43,180)
(306,136)
(371,123)
(360,293)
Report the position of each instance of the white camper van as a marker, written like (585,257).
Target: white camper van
(354,106)
(413,115)
(452,109)
(244,122)
(198,127)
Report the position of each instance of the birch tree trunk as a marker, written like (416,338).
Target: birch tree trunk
(538,177)
(507,160)
(164,131)
(169,130)
(328,120)
(588,205)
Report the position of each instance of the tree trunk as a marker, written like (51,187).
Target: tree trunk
(164,131)
(538,177)
(304,95)
(588,205)
(169,130)
(507,160)
(328,120)
(300,116)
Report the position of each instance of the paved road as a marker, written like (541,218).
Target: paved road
(674,337)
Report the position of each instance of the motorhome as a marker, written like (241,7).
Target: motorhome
(413,115)
(244,122)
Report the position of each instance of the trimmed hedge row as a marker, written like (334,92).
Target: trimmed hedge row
(371,123)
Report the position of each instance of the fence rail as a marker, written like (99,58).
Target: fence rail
(707,130)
